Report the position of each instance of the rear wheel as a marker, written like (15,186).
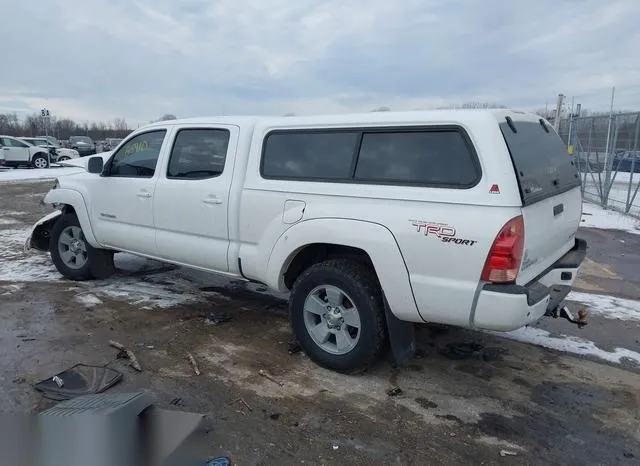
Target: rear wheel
(40,160)
(63,158)
(337,315)
(73,256)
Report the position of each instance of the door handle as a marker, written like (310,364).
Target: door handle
(144,195)
(212,200)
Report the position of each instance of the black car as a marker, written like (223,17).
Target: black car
(83,144)
(625,161)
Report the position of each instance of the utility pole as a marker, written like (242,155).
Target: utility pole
(570,124)
(556,122)
(607,169)
(45,115)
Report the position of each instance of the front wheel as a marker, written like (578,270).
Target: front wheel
(40,161)
(73,256)
(337,315)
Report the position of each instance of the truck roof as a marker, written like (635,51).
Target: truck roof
(388,118)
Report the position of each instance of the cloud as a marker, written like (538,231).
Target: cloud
(141,58)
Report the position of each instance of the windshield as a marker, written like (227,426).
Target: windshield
(82,139)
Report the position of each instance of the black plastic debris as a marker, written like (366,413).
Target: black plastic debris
(215,318)
(294,347)
(79,380)
(394,391)
(460,350)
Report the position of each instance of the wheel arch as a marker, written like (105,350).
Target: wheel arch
(311,241)
(70,201)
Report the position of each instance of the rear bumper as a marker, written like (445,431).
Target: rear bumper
(510,306)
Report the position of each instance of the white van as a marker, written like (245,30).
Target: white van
(372,221)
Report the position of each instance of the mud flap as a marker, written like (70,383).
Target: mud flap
(100,263)
(402,337)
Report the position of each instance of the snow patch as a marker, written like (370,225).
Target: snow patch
(608,307)
(16,266)
(25,174)
(594,216)
(8,221)
(9,289)
(569,344)
(88,299)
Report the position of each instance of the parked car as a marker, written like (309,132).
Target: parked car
(53,141)
(17,152)
(59,154)
(372,222)
(83,144)
(626,161)
(111,143)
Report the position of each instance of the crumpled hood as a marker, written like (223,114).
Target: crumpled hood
(83,162)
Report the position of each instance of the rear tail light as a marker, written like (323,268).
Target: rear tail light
(505,255)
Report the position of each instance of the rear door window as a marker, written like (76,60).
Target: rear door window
(543,166)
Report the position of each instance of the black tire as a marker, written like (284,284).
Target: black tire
(62,158)
(360,283)
(99,262)
(40,159)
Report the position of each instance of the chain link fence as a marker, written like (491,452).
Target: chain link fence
(607,153)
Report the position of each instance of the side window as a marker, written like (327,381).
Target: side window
(198,153)
(10,142)
(139,156)
(309,155)
(434,157)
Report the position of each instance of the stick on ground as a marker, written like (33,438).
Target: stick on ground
(194,364)
(133,361)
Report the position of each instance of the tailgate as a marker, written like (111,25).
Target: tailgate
(550,227)
(550,190)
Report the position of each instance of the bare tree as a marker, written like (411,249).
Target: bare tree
(167,116)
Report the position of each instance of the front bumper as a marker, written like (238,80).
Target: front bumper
(41,232)
(510,306)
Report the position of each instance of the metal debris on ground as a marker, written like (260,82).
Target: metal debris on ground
(220,461)
(177,401)
(244,403)
(508,453)
(215,318)
(194,364)
(126,354)
(394,391)
(269,377)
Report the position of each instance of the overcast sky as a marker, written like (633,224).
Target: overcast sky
(101,59)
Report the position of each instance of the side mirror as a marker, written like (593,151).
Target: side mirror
(96,165)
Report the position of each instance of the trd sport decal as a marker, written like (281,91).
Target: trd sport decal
(442,231)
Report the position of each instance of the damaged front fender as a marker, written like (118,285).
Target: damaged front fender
(40,233)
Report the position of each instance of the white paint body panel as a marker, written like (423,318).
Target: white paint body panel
(262,223)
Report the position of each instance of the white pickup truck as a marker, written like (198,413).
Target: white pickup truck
(373,222)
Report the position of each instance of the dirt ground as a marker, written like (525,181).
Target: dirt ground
(464,399)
